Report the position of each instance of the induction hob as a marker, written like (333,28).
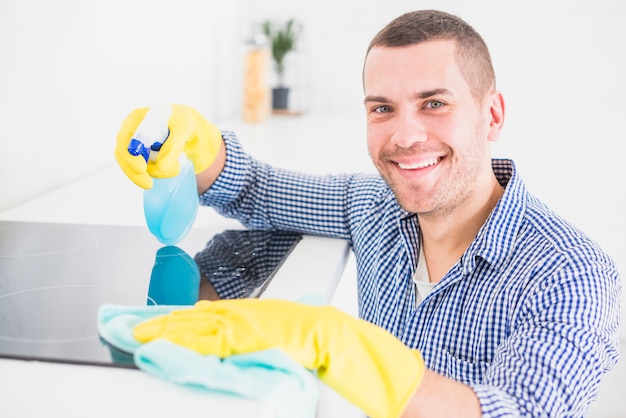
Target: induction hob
(55,277)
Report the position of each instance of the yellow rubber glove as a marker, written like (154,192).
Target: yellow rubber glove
(189,133)
(362,362)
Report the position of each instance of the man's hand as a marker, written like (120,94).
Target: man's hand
(189,133)
(362,362)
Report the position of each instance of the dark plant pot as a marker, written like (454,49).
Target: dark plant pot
(280,97)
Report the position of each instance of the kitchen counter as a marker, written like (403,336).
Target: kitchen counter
(107,197)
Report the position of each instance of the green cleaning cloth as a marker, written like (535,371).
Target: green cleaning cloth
(268,375)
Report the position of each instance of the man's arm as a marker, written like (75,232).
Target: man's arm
(439,396)
(207,177)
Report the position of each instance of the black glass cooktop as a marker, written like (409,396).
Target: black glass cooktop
(55,277)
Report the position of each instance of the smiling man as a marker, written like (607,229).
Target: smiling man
(475,298)
(428,135)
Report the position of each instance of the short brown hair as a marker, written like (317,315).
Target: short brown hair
(420,26)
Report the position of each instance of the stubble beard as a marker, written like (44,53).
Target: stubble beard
(452,189)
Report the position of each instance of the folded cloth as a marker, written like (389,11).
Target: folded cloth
(268,375)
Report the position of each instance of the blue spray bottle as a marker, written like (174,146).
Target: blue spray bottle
(171,205)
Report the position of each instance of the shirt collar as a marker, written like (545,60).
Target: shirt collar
(496,238)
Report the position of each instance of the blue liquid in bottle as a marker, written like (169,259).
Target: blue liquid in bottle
(171,205)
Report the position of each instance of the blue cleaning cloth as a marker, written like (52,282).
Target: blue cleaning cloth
(268,375)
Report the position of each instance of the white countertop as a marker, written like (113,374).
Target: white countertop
(107,197)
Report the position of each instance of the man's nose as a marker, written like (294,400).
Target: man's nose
(409,129)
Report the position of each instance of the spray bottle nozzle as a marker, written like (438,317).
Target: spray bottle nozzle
(154,130)
(136,147)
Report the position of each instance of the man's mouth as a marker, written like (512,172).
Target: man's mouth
(419,164)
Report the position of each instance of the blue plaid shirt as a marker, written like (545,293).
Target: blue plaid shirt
(528,316)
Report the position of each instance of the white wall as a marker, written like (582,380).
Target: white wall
(70,70)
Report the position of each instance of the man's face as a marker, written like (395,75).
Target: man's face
(426,134)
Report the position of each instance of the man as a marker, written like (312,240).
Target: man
(506,309)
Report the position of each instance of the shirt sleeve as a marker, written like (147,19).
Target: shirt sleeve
(564,339)
(261,196)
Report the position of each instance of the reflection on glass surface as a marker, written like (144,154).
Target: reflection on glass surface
(175,278)
(55,277)
(234,264)
(240,264)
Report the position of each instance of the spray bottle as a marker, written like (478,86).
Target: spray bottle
(170,206)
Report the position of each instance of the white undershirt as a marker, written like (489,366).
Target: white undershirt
(423,286)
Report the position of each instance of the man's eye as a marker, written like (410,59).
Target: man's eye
(382,109)
(434,104)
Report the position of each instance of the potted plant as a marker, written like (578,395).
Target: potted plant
(282,40)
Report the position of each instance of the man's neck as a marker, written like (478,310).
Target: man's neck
(445,238)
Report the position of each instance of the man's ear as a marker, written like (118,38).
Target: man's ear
(496,111)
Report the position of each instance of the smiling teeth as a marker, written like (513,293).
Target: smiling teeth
(421,164)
